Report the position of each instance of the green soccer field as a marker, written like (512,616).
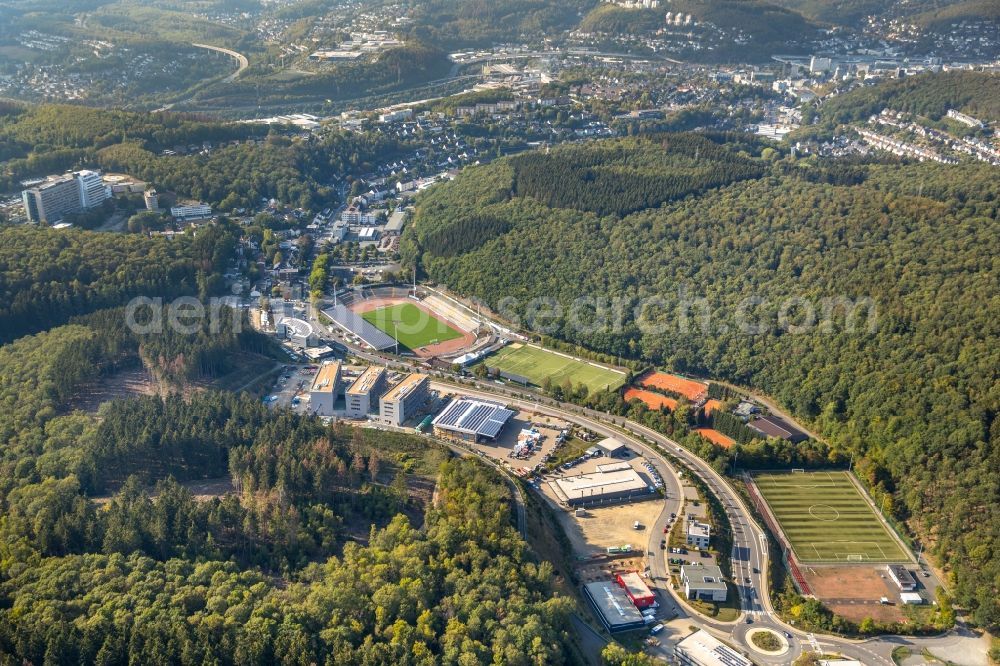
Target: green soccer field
(416,328)
(826,518)
(536,364)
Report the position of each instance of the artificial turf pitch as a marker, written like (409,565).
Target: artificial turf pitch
(826,519)
(416,328)
(535,364)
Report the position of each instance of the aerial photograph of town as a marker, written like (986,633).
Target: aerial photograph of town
(511,332)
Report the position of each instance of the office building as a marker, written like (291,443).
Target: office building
(698,534)
(92,189)
(52,200)
(404,399)
(58,196)
(363,395)
(325,388)
(191,212)
(152,200)
(704,582)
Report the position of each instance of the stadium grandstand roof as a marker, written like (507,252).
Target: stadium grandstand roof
(474,417)
(355,323)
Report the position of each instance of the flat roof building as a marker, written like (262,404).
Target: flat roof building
(361,398)
(192,212)
(92,189)
(325,388)
(396,222)
(636,589)
(472,420)
(704,582)
(703,649)
(52,200)
(902,577)
(613,607)
(404,399)
(772,426)
(601,488)
(611,446)
(698,534)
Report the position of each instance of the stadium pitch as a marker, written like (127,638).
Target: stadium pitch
(535,364)
(416,327)
(826,519)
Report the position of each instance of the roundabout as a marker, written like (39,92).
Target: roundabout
(824,513)
(767,641)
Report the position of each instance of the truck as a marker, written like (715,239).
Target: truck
(636,525)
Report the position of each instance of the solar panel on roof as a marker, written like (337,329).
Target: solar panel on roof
(358,326)
(474,417)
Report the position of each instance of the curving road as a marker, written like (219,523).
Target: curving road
(750,550)
(238,57)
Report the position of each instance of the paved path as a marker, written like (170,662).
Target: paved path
(960,645)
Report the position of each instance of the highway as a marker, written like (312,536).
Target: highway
(750,551)
(238,57)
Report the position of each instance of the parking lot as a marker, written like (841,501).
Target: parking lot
(292,388)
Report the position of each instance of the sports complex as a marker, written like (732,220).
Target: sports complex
(530,364)
(427,326)
(827,519)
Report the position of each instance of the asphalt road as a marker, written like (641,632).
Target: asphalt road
(750,546)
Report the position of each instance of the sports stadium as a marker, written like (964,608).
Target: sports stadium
(426,325)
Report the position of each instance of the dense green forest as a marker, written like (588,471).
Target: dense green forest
(617,20)
(726,279)
(931,95)
(454,24)
(270,571)
(767,25)
(48,139)
(48,276)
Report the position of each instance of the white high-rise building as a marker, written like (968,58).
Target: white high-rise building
(92,189)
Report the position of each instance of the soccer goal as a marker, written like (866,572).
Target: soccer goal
(798,470)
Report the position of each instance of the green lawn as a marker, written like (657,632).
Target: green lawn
(536,364)
(826,518)
(416,328)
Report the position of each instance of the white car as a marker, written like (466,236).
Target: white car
(655,630)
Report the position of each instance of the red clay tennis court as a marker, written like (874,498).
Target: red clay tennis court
(711,405)
(652,400)
(688,388)
(715,437)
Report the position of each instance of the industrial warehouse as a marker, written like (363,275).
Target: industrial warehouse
(472,420)
(615,610)
(601,487)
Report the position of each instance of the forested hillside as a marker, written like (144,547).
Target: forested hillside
(263,574)
(931,95)
(48,276)
(907,381)
(454,24)
(50,139)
